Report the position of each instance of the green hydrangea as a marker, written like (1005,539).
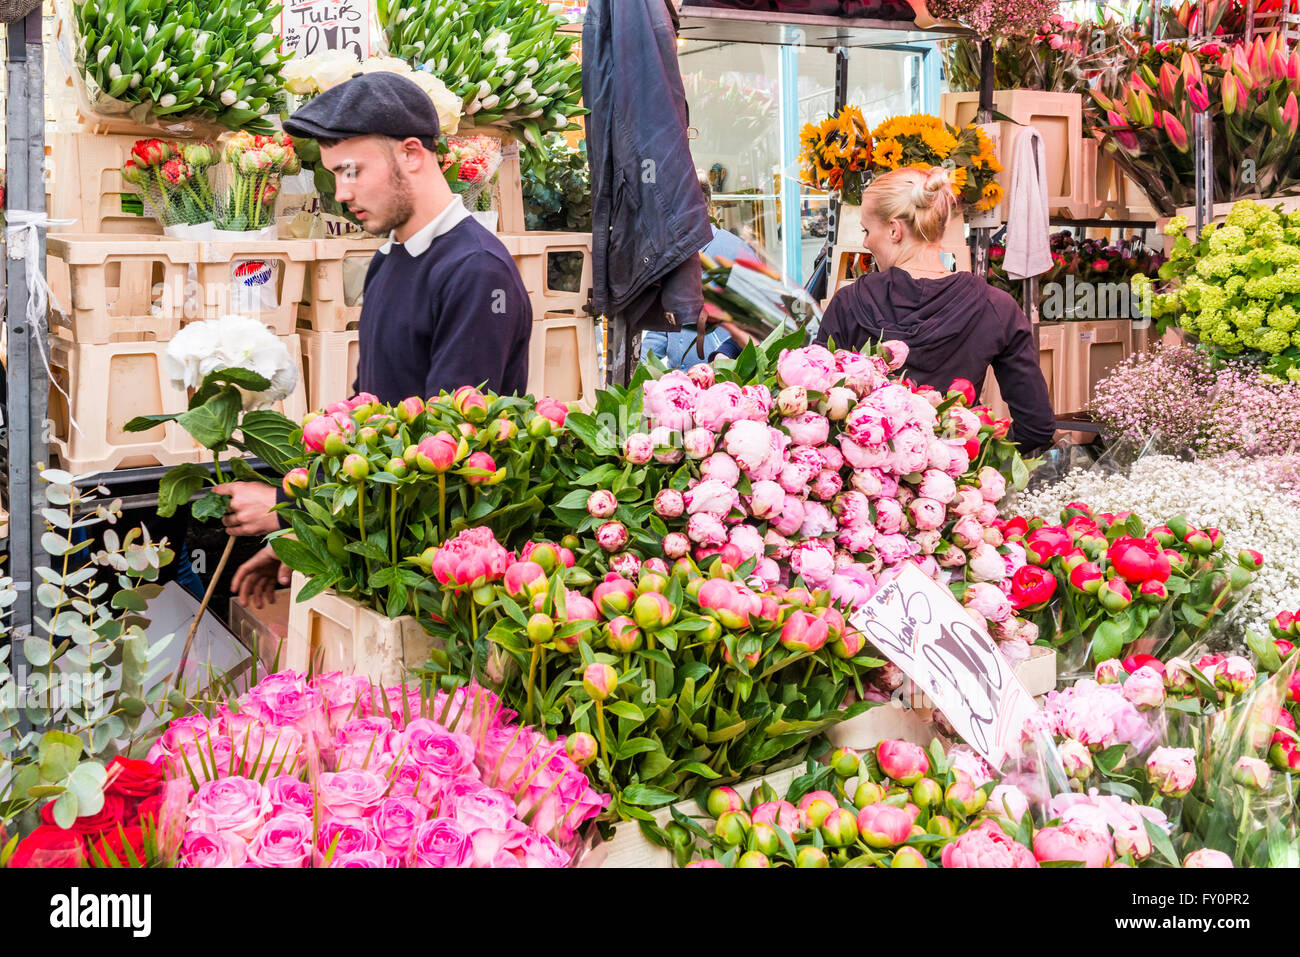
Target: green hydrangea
(1229,239)
(1283,319)
(1176,226)
(1273,341)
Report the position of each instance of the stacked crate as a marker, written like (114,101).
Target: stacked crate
(123,292)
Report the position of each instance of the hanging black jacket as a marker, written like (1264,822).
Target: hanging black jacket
(955,328)
(649,220)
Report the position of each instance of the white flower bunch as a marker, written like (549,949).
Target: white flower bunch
(312,75)
(232,342)
(1218,493)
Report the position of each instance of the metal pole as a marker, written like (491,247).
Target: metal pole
(982,237)
(841,98)
(27,379)
(1203,156)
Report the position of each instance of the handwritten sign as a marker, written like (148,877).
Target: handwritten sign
(920,627)
(315,26)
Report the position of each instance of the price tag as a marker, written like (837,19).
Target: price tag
(1088,335)
(316,26)
(919,626)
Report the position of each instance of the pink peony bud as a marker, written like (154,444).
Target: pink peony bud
(639,448)
(720,467)
(902,761)
(601,503)
(895,353)
(622,635)
(1145,688)
(295,482)
(1207,857)
(470,402)
(1108,672)
(883,825)
(1076,759)
(803,632)
(525,580)
(723,800)
(702,375)
(437,453)
(553,410)
(816,806)
(1251,773)
(483,462)
(625,565)
(599,681)
(792,401)
(581,748)
(612,536)
(1172,771)
(1235,675)
(676,545)
(699,443)
(707,530)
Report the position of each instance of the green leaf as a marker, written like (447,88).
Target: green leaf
(178,485)
(647,796)
(210,506)
(212,423)
(213,383)
(129,600)
(143,423)
(297,556)
(703,770)
(269,436)
(625,709)
(38,651)
(1264,650)
(634,746)
(58,754)
(65,810)
(1111,758)
(1160,841)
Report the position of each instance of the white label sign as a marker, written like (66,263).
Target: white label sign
(315,26)
(919,626)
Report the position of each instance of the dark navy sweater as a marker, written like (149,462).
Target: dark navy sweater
(457,314)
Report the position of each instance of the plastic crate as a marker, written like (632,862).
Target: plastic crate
(333,633)
(1092,350)
(112,285)
(1090,202)
(229,273)
(562,359)
(532,253)
(88,185)
(332,295)
(1057,116)
(108,385)
(329,361)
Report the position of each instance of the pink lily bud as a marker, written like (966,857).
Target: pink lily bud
(1175,130)
(1199,97)
(1168,82)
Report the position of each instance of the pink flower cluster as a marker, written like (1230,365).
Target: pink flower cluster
(847,474)
(333,770)
(1097,716)
(1096,829)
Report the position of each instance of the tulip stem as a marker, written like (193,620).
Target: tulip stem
(532,676)
(600,719)
(442,507)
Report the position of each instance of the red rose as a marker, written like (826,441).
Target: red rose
(50,846)
(112,845)
(1032,587)
(151,809)
(109,816)
(133,781)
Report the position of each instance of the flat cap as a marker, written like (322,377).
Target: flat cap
(382,104)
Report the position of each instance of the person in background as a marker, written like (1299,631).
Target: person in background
(955,324)
(444,302)
(678,349)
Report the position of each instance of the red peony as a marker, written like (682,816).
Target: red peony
(1138,559)
(1032,587)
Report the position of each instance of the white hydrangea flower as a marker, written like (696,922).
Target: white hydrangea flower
(231,342)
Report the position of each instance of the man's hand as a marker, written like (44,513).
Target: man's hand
(257,578)
(250,508)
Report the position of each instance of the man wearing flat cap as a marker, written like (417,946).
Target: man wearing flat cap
(444,303)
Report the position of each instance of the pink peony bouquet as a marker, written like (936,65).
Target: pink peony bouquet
(331,772)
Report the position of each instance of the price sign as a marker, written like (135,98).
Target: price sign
(316,26)
(920,627)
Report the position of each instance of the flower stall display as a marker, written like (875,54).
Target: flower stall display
(1218,494)
(374,486)
(173,179)
(923,140)
(835,154)
(1248,94)
(256,164)
(172,64)
(1237,288)
(506,61)
(332,772)
(1118,586)
(469,165)
(997,19)
(673,681)
(1181,400)
(1082,264)
(814,464)
(557,190)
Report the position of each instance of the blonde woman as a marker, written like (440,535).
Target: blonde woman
(955,324)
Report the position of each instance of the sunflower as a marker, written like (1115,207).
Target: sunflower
(990,196)
(888,153)
(958,177)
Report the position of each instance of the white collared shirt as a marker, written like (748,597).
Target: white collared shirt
(444,222)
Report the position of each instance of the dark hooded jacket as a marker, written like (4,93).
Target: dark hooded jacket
(649,220)
(955,328)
